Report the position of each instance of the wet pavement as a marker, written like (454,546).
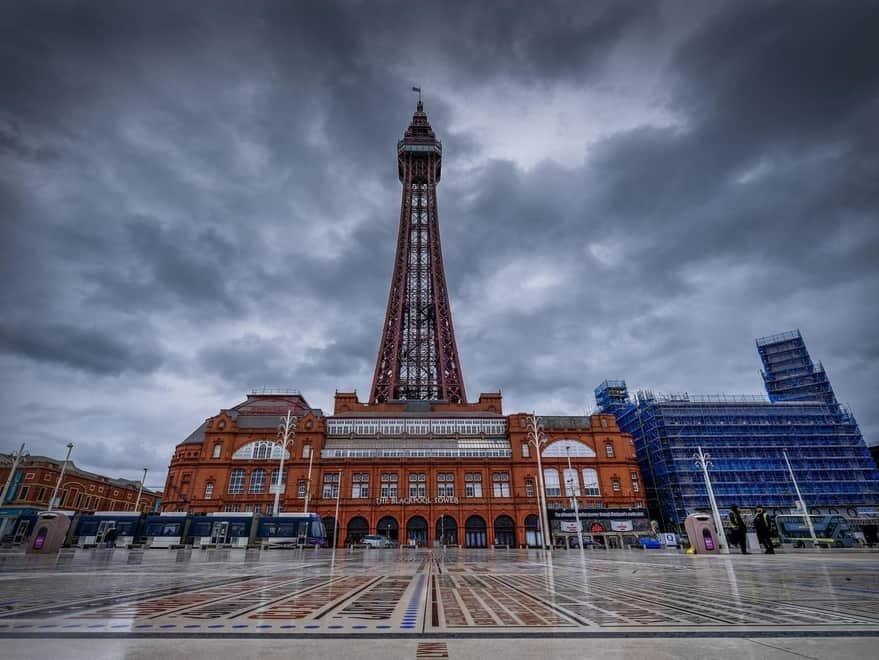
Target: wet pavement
(438,600)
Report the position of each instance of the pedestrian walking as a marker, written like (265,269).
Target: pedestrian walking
(763,527)
(740,529)
(110,537)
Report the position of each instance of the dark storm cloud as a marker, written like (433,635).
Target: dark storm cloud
(200,198)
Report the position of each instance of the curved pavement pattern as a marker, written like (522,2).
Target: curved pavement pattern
(435,595)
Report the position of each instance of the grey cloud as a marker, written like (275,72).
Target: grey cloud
(199,201)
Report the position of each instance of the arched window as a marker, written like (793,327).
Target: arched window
(572,483)
(260,450)
(551,482)
(257,481)
(590,483)
(236,481)
(209,490)
(560,448)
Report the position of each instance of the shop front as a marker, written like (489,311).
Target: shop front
(598,528)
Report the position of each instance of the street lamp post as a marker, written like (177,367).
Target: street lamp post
(574,498)
(16,459)
(140,489)
(537,439)
(60,476)
(800,499)
(336,516)
(286,433)
(308,478)
(703,460)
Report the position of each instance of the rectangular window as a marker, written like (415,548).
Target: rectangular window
(234,508)
(572,483)
(500,484)
(301,485)
(551,482)
(615,484)
(418,485)
(331,485)
(360,485)
(445,484)
(529,488)
(473,484)
(636,487)
(590,482)
(236,481)
(526,450)
(306,451)
(217,450)
(608,449)
(23,492)
(41,495)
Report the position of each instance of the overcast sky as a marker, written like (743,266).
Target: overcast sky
(200,198)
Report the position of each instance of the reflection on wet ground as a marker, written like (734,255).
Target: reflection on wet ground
(432,593)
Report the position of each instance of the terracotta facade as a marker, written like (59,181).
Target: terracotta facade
(408,470)
(80,490)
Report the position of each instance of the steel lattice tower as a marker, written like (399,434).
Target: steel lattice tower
(418,357)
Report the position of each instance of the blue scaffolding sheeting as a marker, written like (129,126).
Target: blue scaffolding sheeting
(745,436)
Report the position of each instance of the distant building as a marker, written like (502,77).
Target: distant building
(35,478)
(745,436)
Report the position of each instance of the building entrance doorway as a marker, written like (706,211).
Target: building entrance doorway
(532,532)
(474,532)
(357,528)
(416,531)
(504,531)
(447,531)
(389,528)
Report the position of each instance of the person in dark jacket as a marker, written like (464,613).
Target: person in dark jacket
(740,529)
(763,527)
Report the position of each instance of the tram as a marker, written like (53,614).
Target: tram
(292,529)
(167,530)
(229,529)
(92,529)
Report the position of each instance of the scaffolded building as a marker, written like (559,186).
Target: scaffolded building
(746,436)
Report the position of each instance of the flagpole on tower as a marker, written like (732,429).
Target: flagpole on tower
(417,89)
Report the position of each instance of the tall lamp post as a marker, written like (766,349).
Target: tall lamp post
(286,435)
(308,478)
(336,516)
(800,499)
(60,477)
(140,489)
(16,459)
(537,439)
(703,460)
(574,497)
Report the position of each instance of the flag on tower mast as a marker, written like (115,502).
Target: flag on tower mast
(417,89)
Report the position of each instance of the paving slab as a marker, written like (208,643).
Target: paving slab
(464,599)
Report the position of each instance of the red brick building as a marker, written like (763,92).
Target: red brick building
(35,480)
(418,462)
(428,471)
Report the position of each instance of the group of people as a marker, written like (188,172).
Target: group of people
(762,526)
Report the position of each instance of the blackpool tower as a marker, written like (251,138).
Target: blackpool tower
(418,357)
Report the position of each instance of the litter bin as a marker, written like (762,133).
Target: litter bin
(48,533)
(701,532)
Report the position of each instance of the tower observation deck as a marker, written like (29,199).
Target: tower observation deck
(417,357)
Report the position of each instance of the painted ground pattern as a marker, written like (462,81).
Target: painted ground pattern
(432,593)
